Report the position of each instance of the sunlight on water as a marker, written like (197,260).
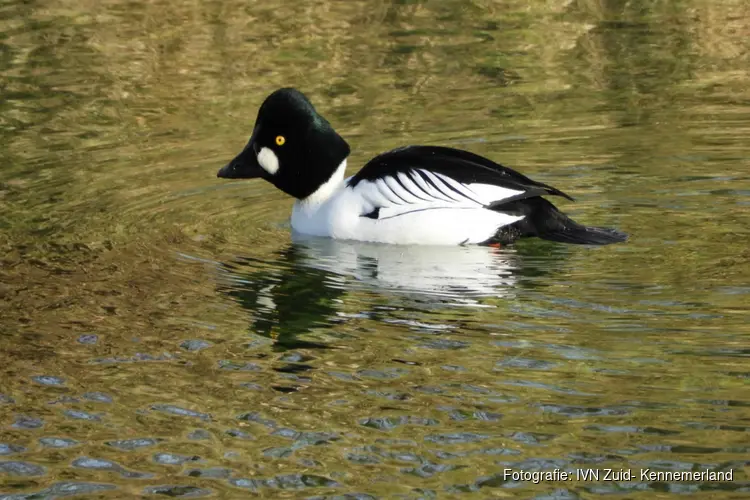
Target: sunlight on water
(164,333)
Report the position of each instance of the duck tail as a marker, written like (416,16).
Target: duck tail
(585,235)
(544,220)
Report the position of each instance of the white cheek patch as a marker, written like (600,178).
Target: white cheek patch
(268,160)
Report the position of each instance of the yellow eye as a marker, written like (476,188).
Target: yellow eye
(280,140)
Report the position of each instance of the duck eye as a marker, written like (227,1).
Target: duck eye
(280,140)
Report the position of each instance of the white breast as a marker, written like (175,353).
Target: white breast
(441,226)
(423,223)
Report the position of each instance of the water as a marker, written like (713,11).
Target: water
(164,334)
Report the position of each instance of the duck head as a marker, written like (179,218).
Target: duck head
(292,146)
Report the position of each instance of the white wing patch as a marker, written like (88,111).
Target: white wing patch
(490,193)
(419,189)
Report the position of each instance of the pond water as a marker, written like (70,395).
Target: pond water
(162,332)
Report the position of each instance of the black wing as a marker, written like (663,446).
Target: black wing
(461,166)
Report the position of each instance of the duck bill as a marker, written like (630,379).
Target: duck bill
(244,166)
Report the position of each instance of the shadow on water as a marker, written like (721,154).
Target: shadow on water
(310,279)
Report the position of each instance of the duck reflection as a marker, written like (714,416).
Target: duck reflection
(444,274)
(303,289)
(285,298)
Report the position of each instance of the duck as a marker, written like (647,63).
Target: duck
(412,195)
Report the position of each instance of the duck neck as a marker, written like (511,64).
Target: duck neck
(327,189)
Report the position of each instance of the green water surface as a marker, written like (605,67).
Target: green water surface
(162,334)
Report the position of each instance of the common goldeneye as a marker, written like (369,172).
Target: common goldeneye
(427,195)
